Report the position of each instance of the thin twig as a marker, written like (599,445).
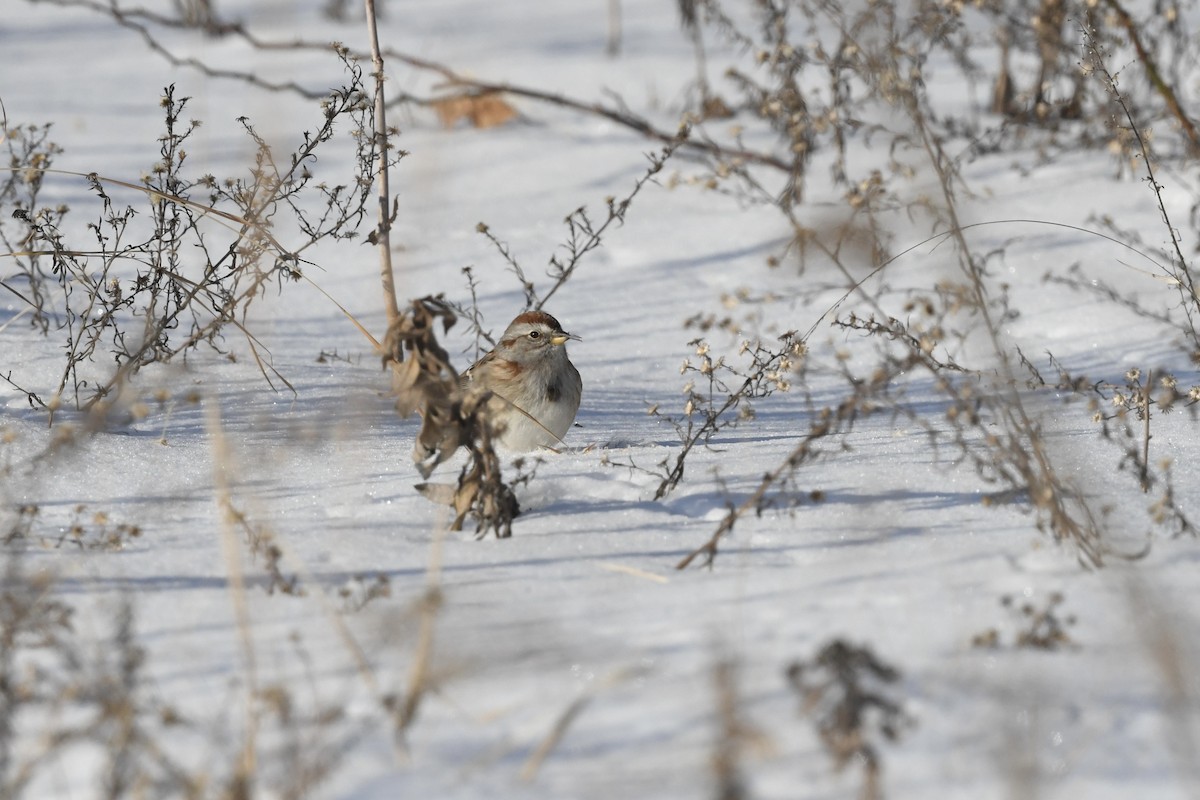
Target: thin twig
(1181,274)
(621,117)
(1145,471)
(382,237)
(126,17)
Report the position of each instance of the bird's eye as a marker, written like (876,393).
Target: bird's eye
(535,334)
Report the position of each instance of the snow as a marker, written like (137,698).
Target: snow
(583,604)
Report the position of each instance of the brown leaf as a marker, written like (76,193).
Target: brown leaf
(483,110)
(404,380)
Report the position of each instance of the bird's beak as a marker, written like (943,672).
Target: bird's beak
(561,338)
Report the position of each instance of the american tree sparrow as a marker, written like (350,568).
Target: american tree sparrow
(536,389)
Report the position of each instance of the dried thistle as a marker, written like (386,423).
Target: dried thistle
(1040,628)
(844,688)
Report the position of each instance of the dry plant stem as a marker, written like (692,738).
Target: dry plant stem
(1154,75)
(361,662)
(584,236)
(1180,274)
(383,237)
(237,589)
(419,678)
(613,42)
(758,382)
(564,721)
(727,754)
(534,763)
(1145,470)
(234,519)
(220,299)
(709,548)
(1046,489)
(154,195)
(616,213)
(829,422)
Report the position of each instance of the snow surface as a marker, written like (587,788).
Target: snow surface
(583,603)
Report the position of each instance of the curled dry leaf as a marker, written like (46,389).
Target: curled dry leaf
(423,380)
(425,383)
